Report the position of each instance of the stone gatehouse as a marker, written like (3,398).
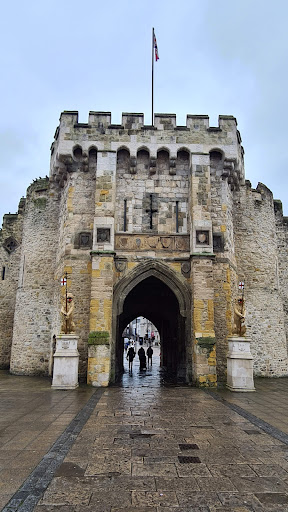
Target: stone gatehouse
(154,221)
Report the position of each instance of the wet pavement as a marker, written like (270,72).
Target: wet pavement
(143,447)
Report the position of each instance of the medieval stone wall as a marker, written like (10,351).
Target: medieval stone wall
(10,251)
(76,216)
(224,268)
(169,189)
(282,261)
(257,261)
(32,336)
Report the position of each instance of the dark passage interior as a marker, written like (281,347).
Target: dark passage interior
(154,300)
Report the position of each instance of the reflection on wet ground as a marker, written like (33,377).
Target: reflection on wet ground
(153,376)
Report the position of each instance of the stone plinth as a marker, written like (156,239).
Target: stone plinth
(66,361)
(98,365)
(239,365)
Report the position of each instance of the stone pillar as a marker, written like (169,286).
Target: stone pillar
(66,361)
(201,248)
(203,322)
(239,365)
(102,271)
(98,365)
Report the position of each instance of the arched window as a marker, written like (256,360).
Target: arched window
(215,157)
(143,161)
(92,157)
(123,161)
(183,162)
(77,153)
(163,161)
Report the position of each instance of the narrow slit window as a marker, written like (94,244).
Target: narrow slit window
(125,214)
(177,216)
(3,273)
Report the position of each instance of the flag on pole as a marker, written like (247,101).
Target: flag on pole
(155,47)
(63,281)
(241,285)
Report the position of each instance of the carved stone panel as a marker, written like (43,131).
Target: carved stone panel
(10,244)
(139,242)
(186,268)
(202,237)
(120,264)
(103,235)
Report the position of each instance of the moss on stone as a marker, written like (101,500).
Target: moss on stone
(206,342)
(40,202)
(98,338)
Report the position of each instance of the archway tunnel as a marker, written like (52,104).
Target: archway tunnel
(154,300)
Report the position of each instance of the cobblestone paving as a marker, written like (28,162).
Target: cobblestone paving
(32,417)
(268,403)
(169,449)
(145,447)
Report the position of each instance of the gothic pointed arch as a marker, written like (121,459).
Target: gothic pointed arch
(160,271)
(155,291)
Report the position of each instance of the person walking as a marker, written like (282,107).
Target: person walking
(149,355)
(130,356)
(142,358)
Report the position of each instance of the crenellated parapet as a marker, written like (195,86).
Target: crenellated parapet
(76,145)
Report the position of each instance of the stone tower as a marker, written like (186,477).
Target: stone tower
(154,221)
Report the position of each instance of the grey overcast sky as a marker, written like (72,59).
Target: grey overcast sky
(224,57)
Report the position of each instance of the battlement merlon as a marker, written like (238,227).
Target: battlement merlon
(197,135)
(69,118)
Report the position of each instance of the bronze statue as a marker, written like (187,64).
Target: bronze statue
(67,309)
(239,328)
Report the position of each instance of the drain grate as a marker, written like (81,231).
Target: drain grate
(184,447)
(188,460)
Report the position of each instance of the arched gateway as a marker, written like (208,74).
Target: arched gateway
(152,290)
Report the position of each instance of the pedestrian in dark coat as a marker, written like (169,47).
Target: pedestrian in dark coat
(142,358)
(130,356)
(149,354)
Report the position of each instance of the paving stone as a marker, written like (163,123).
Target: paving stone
(269,470)
(197,499)
(109,498)
(215,484)
(156,469)
(68,491)
(239,499)
(230,470)
(106,466)
(169,484)
(159,498)
(203,508)
(138,509)
(259,484)
(186,470)
(272,498)
(54,508)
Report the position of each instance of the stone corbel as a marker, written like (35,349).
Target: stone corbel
(67,161)
(228,168)
(133,162)
(153,165)
(120,264)
(85,163)
(230,172)
(172,169)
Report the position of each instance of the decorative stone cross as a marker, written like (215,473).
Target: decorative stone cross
(151,210)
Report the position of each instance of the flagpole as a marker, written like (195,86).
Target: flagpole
(152,122)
